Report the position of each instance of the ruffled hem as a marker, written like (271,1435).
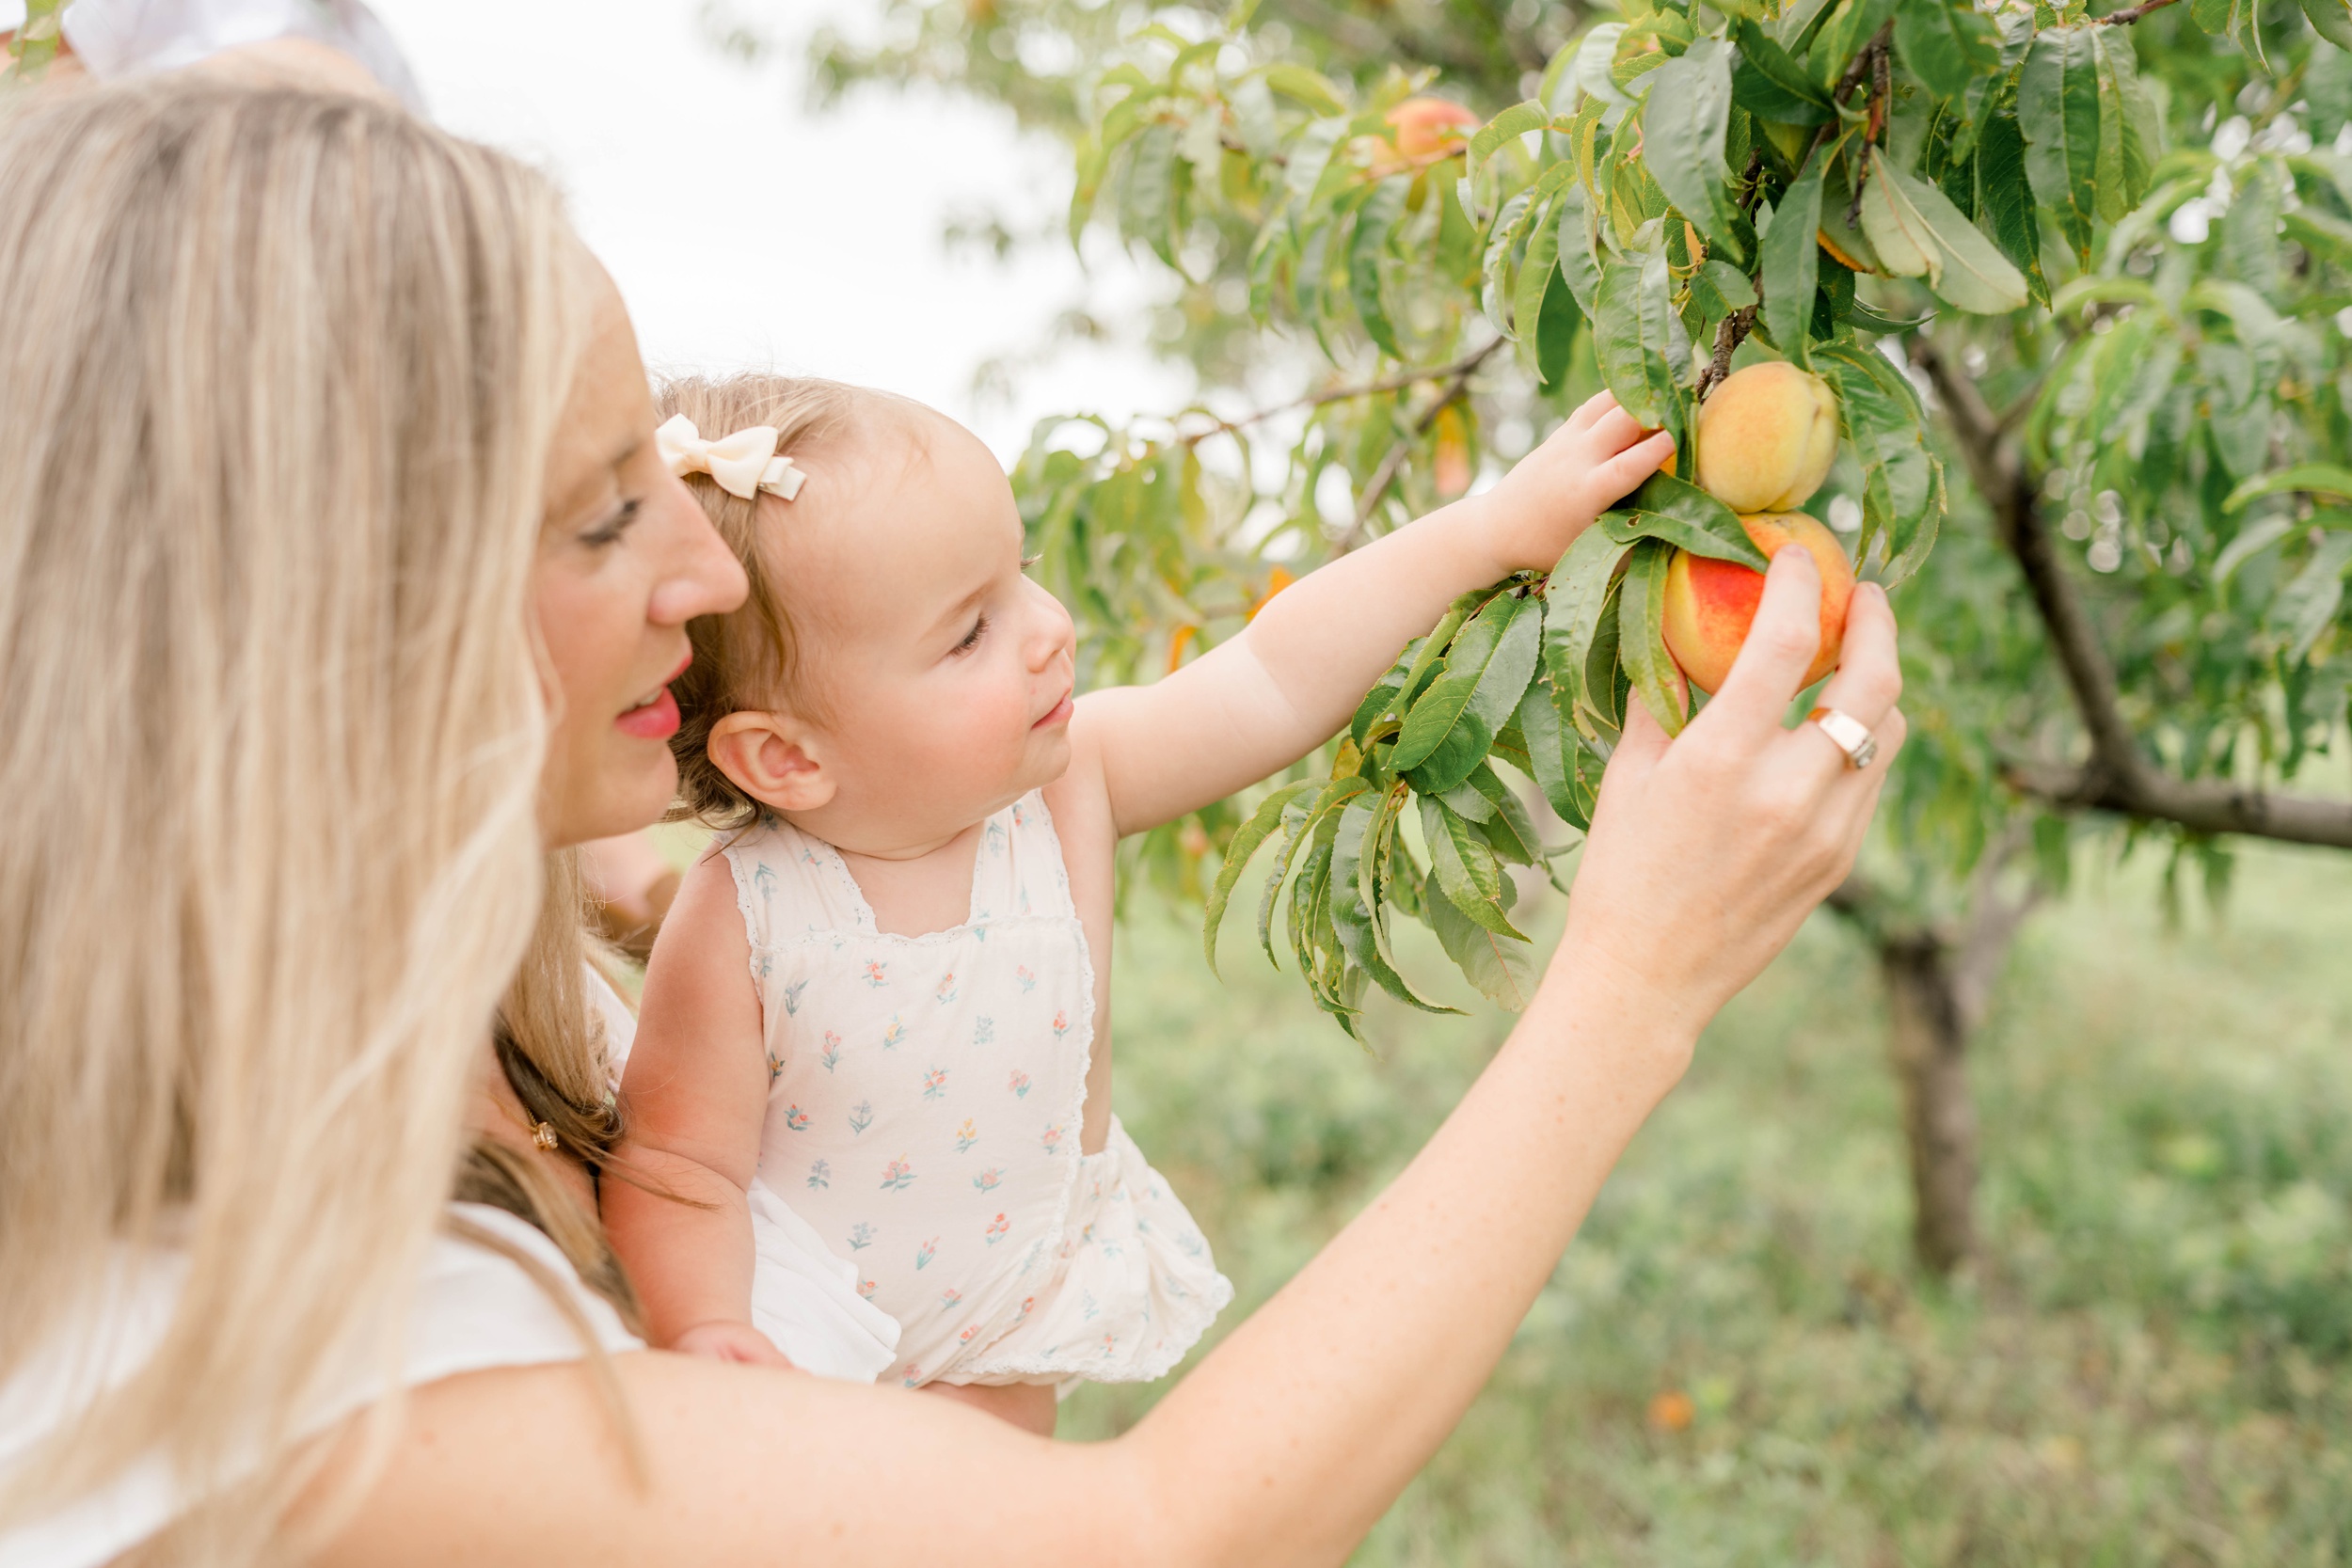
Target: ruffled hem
(1134,1288)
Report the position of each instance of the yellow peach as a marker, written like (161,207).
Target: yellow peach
(1766,438)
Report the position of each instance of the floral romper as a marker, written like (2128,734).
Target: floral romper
(924,1104)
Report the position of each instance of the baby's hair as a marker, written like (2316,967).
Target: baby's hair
(748,658)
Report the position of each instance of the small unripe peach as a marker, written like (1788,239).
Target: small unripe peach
(1767,437)
(1710,604)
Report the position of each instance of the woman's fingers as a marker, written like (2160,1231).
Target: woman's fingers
(1870,675)
(1782,640)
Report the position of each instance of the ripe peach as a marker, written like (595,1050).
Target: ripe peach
(1430,128)
(1710,604)
(1767,437)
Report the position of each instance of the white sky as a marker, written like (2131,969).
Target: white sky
(745,232)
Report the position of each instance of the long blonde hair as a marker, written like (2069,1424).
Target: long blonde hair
(278,376)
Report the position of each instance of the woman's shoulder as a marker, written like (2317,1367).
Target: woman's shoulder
(493,1292)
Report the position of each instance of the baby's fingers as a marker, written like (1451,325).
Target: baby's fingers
(1590,410)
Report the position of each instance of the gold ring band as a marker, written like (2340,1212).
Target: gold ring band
(1850,735)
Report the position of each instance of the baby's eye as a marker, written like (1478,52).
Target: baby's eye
(972,638)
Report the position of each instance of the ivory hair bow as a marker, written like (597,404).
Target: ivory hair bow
(744,464)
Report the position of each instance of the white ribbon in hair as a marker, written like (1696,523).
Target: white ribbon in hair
(744,464)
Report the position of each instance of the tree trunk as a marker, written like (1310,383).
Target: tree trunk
(1939,981)
(1928,1039)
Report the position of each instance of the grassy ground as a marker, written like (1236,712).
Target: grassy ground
(2153,1364)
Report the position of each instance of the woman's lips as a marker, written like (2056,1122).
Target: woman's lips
(654,721)
(657,716)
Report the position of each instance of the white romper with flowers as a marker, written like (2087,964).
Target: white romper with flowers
(924,1102)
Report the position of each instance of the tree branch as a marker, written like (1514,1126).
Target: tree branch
(1397,383)
(2118,777)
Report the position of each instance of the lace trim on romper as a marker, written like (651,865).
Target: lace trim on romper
(1089,1267)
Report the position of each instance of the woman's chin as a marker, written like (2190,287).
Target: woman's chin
(631,790)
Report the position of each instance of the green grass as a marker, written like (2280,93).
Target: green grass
(2152,1363)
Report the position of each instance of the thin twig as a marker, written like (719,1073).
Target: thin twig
(2118,777)
(1384,475)
(2129,14)
(1396,383)
(1730,334)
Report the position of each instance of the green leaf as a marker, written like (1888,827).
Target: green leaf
(1573,598)
(1639,337)
(1946,44)
(1551,751)
(2130,130)
(1465,867)
(1381,699)
(1555,331)
(1508,828)
(1502,968)
(1493,696)
(2004,197)
(2326,479)
(1303,821)
(1308,88)
(1147,198)
(1575,243)
(1683,515)
(1517,120)
(2057,112)
(1792,264)
(1538,270)
(1770,85)
(1448,705)
(2331,20)
(1905,216)
(1683,144)
(1640,622)
(1247,838)
(1359,854)
(2306,606)
(1364,252)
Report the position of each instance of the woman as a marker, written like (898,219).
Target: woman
(339,580)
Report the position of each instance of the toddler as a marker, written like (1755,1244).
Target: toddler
(879,1005)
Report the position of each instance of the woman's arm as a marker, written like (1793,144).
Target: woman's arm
(1298,1431)
(695,1090)
(1261,701)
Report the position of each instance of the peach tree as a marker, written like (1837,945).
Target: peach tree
(2130,630)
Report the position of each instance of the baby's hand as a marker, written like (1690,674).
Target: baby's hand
(1584,467)
(730,1341)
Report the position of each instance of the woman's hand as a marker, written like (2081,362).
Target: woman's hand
(1708,850)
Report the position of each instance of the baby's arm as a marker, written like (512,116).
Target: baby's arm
(1264,700)
(694,1096)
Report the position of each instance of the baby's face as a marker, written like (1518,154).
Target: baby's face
(939,676)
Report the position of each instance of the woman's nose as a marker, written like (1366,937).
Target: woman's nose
(699,575)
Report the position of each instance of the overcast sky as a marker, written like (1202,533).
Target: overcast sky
(746,231)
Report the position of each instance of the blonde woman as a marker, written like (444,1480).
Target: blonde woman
(338,582)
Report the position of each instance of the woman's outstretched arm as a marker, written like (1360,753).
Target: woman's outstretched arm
(1297,1431)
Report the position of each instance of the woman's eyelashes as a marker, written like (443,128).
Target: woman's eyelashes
(609,531)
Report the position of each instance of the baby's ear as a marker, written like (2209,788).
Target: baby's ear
(770,757)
